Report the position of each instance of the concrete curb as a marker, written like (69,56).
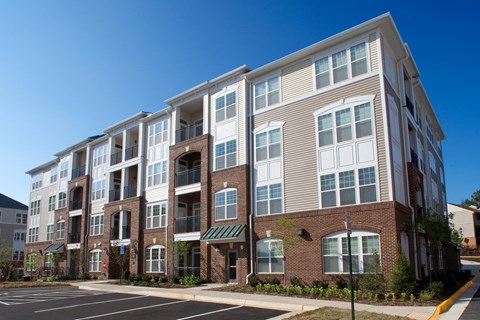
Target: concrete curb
(442,307)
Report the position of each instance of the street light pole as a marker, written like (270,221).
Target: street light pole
(348,226)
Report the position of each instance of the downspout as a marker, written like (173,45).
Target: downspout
(87,214)
(250,157)
(166,227)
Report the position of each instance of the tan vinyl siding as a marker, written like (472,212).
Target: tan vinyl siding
(297,80)
(372,39)
(299,144)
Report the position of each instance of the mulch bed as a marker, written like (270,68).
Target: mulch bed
(30,284)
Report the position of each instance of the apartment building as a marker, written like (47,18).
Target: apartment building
(13,225)
(255,172)
(467,220)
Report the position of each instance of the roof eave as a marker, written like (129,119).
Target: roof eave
(137,116)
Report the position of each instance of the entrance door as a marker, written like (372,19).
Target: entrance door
(232,267)
(181,219)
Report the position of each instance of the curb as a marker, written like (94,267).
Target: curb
(442,307)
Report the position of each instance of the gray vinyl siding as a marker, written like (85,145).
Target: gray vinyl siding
(297,80)
(372,39)
(299,142)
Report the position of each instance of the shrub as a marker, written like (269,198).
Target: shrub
(274,281)
(412,297)
(253,280)
(190,280)
(373,280)
(403,277)
(146,277)
(319,284)
(296,282)
(425,295)
(12,275)
(403,296)
(162,279)
(341,282)
(131,277)
(435,287)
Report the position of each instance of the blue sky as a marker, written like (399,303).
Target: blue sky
(69,69)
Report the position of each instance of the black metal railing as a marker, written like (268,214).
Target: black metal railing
(74,237)
(115,233)
(414,157)
(131,153)
(187,177)
(78,172)
(114,195)
(187,224)
(130,191)
(409,105)
(75,204)
(116,158)
(189,132)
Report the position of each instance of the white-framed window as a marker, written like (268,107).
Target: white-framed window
(96,224)
(19,236)
(52,202)
(367,182)
(226,106)
(158,133)
(48,260)
(35,207)
(341,65)
(33,234)
(63,169)
(226,204)
(328,189)
(268,144)
(95,260)
(157,173)
(32,261)
(49,232)
(155,259)
(346,182)
(61,229)
(226,154)
(269,199)
(98,190)
(37,181)
(100,155)
(267,92)
(156,215)
(18,255)
(62,200)
(270,257)
(20,218)
(335,251)
(53,174)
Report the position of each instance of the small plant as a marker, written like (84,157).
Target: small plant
(412,297)
(403,296)
(375,297)
(394,297)
(341,282)
(386,296)
(190,280)
(403,277)
(435,287)
(425,295)
(274,281)
(253,281)
(370,296)
(319,284)
(162,279)
(296,282)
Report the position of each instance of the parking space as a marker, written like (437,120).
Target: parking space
(74,304)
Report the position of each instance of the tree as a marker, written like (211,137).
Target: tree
(474,200)
(373,280)
(121,257)
(6,262)
(287,231)
(403,277)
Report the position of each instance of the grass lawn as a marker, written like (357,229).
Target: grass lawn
(329,313)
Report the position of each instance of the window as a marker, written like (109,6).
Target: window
(51,203)
(344,125)
(325,131)
(347,187)
(48,261)
(368,189)
(267,93)
(32,262)
(363,120)
(98,190)
(155,259)
(157,215)
(96,224)
(341,65)
(19,236)
(226,204)
(60,229)
(269,199)
(53,174)
(226,107)
(63,169)
(157,174)
(35,207)
(18,256)
(95,260)
(20,218)
(62,200)
(37,181)
(268,144)
(100,155)
(33,234)
(226,154)
(270,256)
(327,185)
(335,251)
(157,133)
(49,232)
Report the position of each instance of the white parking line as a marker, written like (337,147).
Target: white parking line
(130,310)
(86,304)
(207,313)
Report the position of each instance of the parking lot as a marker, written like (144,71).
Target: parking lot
(73,304)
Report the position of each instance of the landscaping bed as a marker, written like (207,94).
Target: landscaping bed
(329,313)
(30,284)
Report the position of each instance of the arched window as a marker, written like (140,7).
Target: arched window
(270,256)
(155,259)
(226,204)
(95,260)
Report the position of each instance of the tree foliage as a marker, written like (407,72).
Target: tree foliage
(373,280)
(474,200)
(403,277)
(6,262)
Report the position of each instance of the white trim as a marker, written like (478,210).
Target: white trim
(195,187)
(187,236)
(225,205)
(268,125)
(265,78)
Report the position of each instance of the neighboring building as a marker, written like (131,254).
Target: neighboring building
(202,186)
(13,225)
(467,220)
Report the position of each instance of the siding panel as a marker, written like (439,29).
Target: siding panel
(372,39)
(297,80)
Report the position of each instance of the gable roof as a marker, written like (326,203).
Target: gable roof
(6,202)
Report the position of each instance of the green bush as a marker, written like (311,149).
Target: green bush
(341,282)
(253,280)
(12,275)
(435,287)
(132,277)
(319,284)
(190,280)
(426,295)
(373,280)
(296,282)
(403,277)
(274,281)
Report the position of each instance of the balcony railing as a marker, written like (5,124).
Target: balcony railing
(74,237)
(78,172)
(409,105)
(189,132)
(131,153)
(75,204)
(186,271)
(414,157)
(187,224)
(114,195)
(115,233)
(116,158)
(187,177)
(130,191)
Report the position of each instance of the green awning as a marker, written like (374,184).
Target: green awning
(225,234)
(58,247)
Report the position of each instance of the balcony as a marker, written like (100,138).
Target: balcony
(187,224)
(78,172)
(409,105)
(130,191)
(115,233)
(75,205)
(187,177)
(414,157)
(131,153)
(114,195)
(116,158)
(74,237)
(189,132)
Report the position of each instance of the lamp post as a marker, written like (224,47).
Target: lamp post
(348,226)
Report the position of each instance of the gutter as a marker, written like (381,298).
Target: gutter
(250,157)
